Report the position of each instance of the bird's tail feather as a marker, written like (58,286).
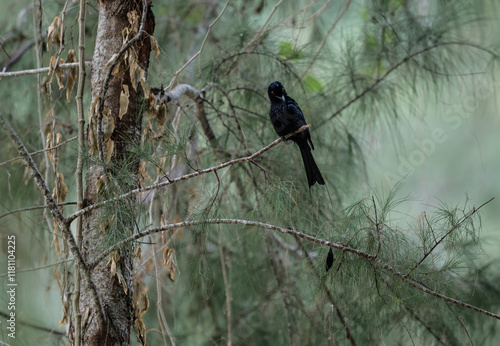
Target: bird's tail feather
(312,170)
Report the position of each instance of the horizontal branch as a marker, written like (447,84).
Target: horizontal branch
(80,212)
(40,151)
(33,208)
(72,217)
(369,257)
(40,70)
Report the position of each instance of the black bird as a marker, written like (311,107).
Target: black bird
(287,117)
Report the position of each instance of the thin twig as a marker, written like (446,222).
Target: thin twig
(40,151)
(22,210)
(41,70)
(176,74)
(466,217)
(369,257)
(27,270)
(323,41)
(402,62)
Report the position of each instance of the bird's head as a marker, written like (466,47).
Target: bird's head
(276,92)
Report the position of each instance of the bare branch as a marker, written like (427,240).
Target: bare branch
(41,70)
(323,41)
(369,257)
(32,208)
(40,151)
(72,217)
(176,74)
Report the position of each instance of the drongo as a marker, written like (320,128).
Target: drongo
(287,117)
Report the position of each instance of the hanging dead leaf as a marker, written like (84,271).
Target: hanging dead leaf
(108,124)
(144,303)
(138,253)
(125,35)
(65,319)
(134,19)
(121,279)
(162,115)
(154,46)
(59,73)
(72,74)
(55,239)
(110,61)
(48,144)
(140,331)
(99,184)
(60,189)
(110,148)
(58,138)
(54,32)
(169,261)
(152,101)
(114,257)
(124,96)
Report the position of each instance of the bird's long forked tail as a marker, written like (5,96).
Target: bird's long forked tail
(312,170)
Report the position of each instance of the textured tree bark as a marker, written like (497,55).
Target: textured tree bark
(116,295)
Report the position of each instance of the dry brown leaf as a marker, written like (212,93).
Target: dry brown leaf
(99,184)
(121,279)
(162,115)
(170,261)
(48,144)
(138,253)
(110,148)
(134,19)
(140,330)
(154,45)
(57,71)
(60,189)
(124,96)
(54,32)
(58,138)
(55,240)
(125,35)
(59,76)
(108,124)
(110,61)
(65,319)
(72,74)
(114,257)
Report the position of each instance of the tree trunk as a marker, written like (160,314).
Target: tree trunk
(114,281)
